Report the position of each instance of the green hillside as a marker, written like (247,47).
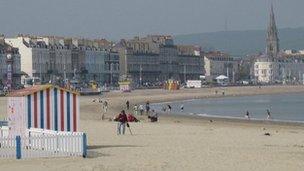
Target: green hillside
(241,43)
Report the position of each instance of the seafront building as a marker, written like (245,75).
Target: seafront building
(42,56)
(219,63)
(148,60)
(276,66)
(10,71)
(156,58)
(50,57)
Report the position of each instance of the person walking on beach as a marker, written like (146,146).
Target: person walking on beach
(102,108)
(169,108)
(141,109)
(122,121)
(147,107)
(135,108)
(268,114)
(182,107)
(128,104)
(247,116)
(105,106)
(163,108)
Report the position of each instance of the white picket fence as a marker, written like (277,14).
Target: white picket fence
(7,147)
(44,143)
(4,130)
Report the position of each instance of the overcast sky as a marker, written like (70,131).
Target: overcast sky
(115,19)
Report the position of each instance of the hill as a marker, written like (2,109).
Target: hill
(241,43)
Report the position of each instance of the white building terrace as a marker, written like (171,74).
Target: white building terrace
(284,68)
(50,57)
(218,63)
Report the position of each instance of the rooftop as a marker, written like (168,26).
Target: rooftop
(34,89)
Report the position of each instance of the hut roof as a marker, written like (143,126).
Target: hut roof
(36,88)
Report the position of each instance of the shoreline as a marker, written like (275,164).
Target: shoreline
(195,119)
(224,96)
(230,118)
(203,93)
(164,96)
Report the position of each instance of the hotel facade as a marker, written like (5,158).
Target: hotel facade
(156,58)
(53,57)
(276,66)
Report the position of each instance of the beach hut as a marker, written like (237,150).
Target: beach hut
(42,106)
(171,85)
(125,86)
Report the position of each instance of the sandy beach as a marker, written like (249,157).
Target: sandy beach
(178,142)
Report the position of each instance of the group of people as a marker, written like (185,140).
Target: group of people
(140,109)
(104,106)
(152,115)
(122,118)
(168,108)
(247,115)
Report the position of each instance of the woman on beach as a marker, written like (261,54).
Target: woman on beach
(105,106)
(122,120)
(164,108)
(147,107)
(268,114)
(182,107)
(247,115)
(128,104)
(169,108)
(141,109)
(135,108)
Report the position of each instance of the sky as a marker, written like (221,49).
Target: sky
(117,19)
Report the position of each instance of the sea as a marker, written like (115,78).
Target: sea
(283,107)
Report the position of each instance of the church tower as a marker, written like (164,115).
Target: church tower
(272,40)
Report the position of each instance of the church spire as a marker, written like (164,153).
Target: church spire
(272,48)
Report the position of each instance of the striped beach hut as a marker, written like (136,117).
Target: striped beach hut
(43,106)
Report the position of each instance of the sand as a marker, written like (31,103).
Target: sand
(179,143)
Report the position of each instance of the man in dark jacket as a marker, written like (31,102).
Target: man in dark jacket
(128,104)
(122,121)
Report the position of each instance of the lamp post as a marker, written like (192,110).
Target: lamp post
(111,73)
(185,73)
(74,73)
(40,63)
(64,68)
(140,75)
(9,74)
